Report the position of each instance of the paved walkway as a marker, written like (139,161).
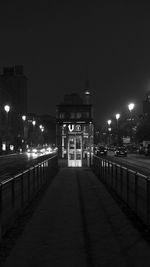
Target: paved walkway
(79,224)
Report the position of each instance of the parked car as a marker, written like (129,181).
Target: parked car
(101,151)
(120,151)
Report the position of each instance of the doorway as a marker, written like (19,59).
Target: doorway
(75,151)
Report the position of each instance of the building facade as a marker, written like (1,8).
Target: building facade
(146,105)
(13,92)
(74,128)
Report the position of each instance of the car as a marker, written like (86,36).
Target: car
(147,150)
(101,151)
(120,151)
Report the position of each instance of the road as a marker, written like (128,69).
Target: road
(13,164)
(136,162)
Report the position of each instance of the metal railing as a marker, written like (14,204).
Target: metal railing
(131,186)
(17,192)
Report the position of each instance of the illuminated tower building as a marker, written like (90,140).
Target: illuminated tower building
(74,129)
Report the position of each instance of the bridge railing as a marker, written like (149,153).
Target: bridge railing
(131,186)
(17,192)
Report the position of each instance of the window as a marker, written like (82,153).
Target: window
(72,115)
(78,115)
(86,115)
(62,115)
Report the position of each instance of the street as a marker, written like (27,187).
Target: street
(13,164)
(136,162)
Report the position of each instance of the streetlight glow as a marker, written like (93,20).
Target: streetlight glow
(24,117)
(117,116)
(7,108)
(131,106)
(109,122)
(34,122)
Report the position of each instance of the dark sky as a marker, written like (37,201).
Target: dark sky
(57,40)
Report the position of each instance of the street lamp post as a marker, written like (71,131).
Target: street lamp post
(7,109)
(24,127)
(109,130)
(117,118)
(131,107)
(42,130)
(33,123)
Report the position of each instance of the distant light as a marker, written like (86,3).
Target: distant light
(131,106)
(109,129)
(11,147)
(7,108)
(87,93)
(34,122)
(117,116)
(4,146)
(24,117)
(109,122)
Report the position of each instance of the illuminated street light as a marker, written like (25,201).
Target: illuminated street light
(41,128)
(7,108)
(117,116)
(24,117)
(109,131)
(33,122)
(109,122)
(131,106)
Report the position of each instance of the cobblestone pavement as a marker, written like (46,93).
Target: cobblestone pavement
(78,223)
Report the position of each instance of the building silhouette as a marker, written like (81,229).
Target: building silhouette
(13,92)
(74,128)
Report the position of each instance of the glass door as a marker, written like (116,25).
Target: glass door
(75,151)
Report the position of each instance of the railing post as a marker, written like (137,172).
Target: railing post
(13,195)
(29,185)
(136,193)
(127,186)
(22,192)
(100,167)
(112,166)
(34,189)
(148,201)
(38,178)
(121,181)
(1,211)
(116,173)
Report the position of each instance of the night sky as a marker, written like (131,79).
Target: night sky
(59,42)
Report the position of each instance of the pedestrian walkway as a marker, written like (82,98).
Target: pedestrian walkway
(79,224)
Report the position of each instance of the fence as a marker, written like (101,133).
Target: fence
(132,187)
(18,191)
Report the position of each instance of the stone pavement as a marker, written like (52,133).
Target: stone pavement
(79,224)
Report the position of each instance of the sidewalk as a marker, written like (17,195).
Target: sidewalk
(79,224)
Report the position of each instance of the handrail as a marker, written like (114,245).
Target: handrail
(15,193)
(131,186)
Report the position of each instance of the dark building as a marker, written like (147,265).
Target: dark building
(13,92)
(15,83)
(146,105)
(74,128)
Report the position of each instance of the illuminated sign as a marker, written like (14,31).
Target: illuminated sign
(75,128)
(71,127)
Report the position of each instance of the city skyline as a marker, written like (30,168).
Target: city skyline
(57,42)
